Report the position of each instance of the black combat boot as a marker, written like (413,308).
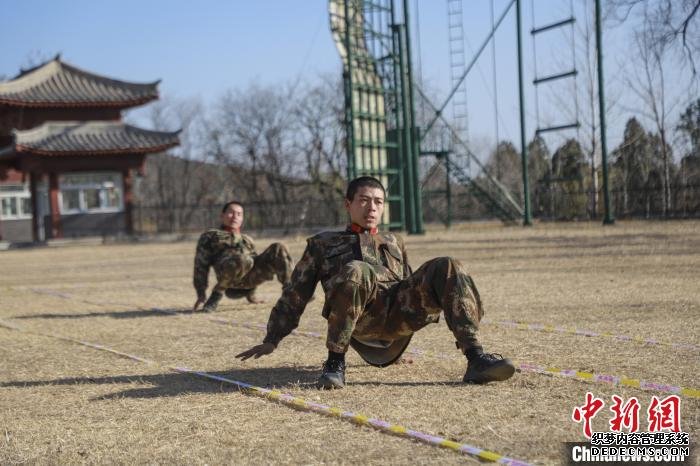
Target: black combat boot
(212,302)
(486,367)
(333,375)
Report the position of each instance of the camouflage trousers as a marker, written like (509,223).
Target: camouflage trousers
(240,274)
(360,305)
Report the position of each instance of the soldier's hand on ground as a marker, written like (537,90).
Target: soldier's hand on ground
(197,304)
(256,351)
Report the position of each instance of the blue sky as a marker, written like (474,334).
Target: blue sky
(203,48)
(196,47)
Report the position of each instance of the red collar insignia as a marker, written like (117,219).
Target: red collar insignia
(355,228)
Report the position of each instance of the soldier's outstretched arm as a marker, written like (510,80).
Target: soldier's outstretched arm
(285,316)
(290,306)
(256,351)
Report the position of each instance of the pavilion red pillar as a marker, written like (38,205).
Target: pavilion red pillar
(35,205)
(128,201)
(56,229)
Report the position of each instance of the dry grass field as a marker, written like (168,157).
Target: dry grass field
(63,403)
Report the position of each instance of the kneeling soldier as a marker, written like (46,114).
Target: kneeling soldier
(374,302)
(239,269)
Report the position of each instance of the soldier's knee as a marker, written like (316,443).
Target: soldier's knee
(452,260)
(447,265)
(279,249)
(445,261)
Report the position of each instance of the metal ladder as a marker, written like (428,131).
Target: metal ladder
(489,192)
(562,75)
(455,28)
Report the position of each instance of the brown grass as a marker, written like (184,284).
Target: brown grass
(64,403)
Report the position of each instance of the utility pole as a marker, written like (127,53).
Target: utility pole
(608,218)
(527,215)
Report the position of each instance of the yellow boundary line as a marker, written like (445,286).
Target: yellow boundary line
(302,404)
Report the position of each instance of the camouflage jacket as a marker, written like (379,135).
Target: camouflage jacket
(213,247)
(324,257)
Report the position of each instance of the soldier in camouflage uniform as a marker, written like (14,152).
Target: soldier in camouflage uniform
(239,269)
(373,297)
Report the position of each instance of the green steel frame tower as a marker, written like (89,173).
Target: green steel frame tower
(382,141)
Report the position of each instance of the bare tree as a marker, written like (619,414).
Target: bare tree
(689,128)
(253,130)
(651,90)
(35,58)
(540,173)
(689,132)
(590,117)
(586,92)
(321,138)
(568,170)
(178,186)
(505,163)
(671,24)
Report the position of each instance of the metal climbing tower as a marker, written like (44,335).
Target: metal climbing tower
(372,39)
(569,73)
(455,32)
(458,159)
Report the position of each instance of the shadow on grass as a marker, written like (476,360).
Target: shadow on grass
(427,383)
(128,314)
(175,384)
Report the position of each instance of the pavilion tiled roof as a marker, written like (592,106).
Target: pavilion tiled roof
(58,84)
(89,138)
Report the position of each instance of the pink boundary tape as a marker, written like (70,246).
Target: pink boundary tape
(523,367)
(304,405)
(613,380)
(587,333)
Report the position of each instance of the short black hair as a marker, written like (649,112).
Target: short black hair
(361,182)
(229,203)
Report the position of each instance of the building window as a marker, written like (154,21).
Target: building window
(15,202)
(91,192)
(71,201)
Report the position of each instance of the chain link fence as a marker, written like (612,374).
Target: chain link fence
(259,217)
(558,203)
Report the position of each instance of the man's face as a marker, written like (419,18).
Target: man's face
(367,207)
(232,217)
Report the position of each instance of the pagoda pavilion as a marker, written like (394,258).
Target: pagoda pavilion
(67,160)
